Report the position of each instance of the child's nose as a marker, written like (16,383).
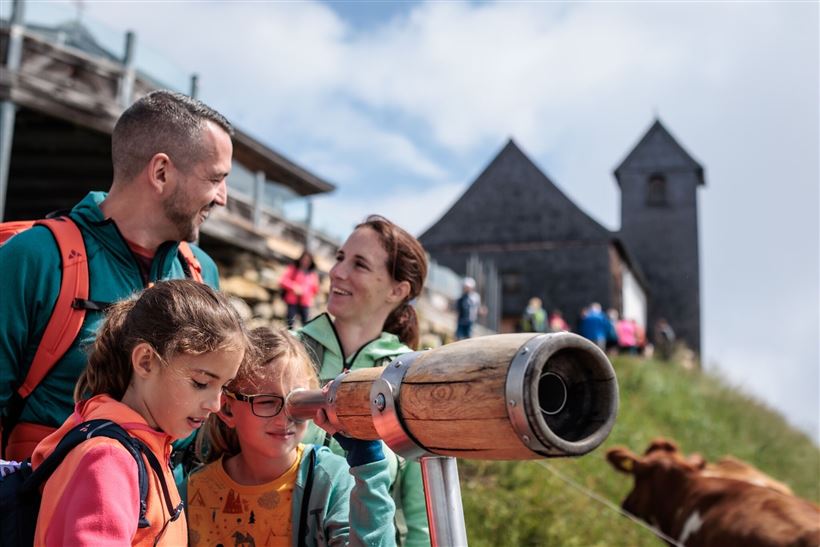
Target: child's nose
(214,402)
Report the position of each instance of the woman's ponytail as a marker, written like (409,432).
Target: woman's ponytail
(404,323)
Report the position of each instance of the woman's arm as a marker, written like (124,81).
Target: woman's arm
(363,515)
(370,507)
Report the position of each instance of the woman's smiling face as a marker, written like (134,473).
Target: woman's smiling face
(360,285)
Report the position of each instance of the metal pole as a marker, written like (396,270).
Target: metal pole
(194,86)
(8,111)
(258,198)
(309,225)
(442,493)
(126,83)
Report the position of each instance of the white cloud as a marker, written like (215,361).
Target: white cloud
(392,113)
(410,208)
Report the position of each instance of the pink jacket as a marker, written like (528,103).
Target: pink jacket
(627,333)
(93,496)
(295,278)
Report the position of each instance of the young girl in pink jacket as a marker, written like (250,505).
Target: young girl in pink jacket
(157,368)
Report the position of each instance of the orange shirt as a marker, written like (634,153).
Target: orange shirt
(222,511)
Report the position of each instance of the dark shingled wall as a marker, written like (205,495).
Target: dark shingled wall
(544,245)
(541,242)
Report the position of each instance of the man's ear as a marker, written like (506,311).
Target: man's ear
(158,169)
(142,360)
(399,292)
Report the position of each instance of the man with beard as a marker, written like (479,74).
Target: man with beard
(171,156)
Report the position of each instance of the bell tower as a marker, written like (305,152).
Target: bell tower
(659,225)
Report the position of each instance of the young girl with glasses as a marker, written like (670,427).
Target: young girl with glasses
(157,368)
(263,486)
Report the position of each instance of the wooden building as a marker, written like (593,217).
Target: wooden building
(60,95)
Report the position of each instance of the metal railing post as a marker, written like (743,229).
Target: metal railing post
(8,111)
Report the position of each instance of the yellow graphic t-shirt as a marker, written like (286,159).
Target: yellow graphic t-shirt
(223,512)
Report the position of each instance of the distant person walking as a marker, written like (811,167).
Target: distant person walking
(627,330)
(664,338)
(534,318)
(557,322)
(595,325)
(468,306)
(300,284)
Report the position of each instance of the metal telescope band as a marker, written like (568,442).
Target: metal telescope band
(442,492)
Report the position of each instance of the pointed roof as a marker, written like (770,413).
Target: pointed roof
(512,201)
(658,150)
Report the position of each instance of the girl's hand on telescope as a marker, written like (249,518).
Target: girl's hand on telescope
(321,418)
(323,421)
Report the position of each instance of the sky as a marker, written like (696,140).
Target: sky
(402,104)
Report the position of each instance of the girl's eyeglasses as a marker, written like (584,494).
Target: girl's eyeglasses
(263,405)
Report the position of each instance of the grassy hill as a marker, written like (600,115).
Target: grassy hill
(525,503)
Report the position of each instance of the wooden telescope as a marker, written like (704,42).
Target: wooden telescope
(501,397)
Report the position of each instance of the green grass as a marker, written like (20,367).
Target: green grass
(524,503)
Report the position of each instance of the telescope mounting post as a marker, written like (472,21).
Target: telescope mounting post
(442,491)
(442,495)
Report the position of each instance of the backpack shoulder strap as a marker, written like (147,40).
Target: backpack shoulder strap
(83,432)
(190,262)
(66,319)
(303,511)
(174,511)
(12,228)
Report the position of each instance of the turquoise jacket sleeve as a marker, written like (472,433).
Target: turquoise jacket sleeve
(347,506)
(371,507)
(28,263)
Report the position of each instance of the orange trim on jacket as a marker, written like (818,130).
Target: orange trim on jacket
(93,496)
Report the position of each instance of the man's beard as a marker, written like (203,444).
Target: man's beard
(183,220)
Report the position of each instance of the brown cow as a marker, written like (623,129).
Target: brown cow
(729,467)
(699,509)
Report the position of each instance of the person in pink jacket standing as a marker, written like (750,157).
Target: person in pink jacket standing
(299,285)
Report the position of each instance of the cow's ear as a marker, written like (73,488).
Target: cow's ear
(697,461)
(622,459)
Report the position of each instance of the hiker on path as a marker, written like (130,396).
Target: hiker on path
(299,283)
(468,308)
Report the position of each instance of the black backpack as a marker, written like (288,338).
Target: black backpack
(20,489)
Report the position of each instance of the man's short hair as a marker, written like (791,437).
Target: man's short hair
(162,121)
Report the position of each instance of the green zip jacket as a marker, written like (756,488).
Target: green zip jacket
(30,273)
(321,339)
(336,505)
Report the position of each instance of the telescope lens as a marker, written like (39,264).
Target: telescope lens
(552,394)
